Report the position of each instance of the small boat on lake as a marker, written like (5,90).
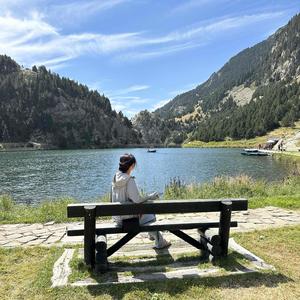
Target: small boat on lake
(151,150)
(254,152)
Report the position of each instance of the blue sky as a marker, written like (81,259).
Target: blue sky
(139,53)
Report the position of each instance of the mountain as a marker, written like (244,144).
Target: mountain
(40,106)
(256,91)
(154,130)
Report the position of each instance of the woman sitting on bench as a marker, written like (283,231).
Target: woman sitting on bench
(124,189)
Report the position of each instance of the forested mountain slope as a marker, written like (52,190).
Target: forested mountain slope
(254,92)
(37,105)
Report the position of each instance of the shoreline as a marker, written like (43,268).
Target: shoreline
(22,148)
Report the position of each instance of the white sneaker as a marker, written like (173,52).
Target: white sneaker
(164,245)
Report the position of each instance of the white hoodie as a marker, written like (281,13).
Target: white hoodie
(124,190)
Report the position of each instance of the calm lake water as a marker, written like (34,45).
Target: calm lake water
(33,176)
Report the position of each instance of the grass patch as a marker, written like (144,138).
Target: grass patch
(224,144)
(289,202)
(26,274)
(294,154)
(285,194)
(10,212)
(55,210)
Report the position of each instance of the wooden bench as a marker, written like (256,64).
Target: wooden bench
(95,242)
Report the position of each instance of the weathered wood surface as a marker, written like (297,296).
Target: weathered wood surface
(61,269)
(213,239)
(112,228)
(156,207)
(224,229)
(89,235)
(101,263)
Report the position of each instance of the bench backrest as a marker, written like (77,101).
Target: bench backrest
(155,207)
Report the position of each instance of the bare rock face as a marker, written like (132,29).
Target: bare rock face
(156,131)
(37,105)
(150,127)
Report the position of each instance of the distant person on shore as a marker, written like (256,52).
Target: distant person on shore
(124,190)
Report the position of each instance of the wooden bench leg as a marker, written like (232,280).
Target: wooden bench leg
(101,264)
(89,234)
(211,244)
(204,251)
(224,229)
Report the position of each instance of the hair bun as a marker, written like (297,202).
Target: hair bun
(126,161)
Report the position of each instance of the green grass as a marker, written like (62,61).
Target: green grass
(55,210)
(285,194)
(224,144)
(25,273)
(295,155)
(45,212)
(289,202)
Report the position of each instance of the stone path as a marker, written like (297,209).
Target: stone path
(13,235)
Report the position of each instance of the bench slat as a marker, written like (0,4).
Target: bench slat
(112,228)
(156,207)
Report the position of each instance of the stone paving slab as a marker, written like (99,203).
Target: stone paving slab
(12,235)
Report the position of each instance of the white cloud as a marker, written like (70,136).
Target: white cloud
(184,89)
(75,10)
(118,106)
(32,40)
(71,12)
(142,55)
(160,104)
(190,4)
(196,36)
(129,107)
(129,99)
(127,103)
(130,89)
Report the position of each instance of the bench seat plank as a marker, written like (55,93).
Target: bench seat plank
(112,228)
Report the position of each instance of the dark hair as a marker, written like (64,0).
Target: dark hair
(126,161)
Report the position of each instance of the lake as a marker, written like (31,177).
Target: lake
(33,176)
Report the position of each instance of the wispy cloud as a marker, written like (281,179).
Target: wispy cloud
(183,89)
(128,105)
(33,40)
(147,54)
(190,4)
(160,104)
(130,89)
(127,99)
(195,36)
(75,10)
